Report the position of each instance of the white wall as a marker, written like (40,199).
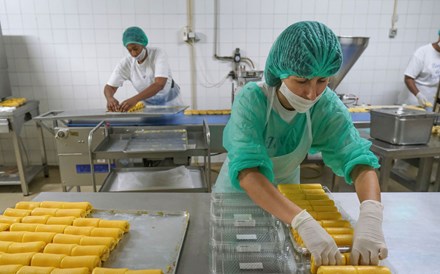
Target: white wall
(61,52)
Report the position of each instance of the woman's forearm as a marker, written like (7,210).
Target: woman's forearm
(366,183)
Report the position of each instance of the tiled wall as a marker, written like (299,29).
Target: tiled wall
(61,52)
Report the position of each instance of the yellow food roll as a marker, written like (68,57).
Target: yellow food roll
(335,223)
(4,245)
(343,239)
(372,269)
(317,197)
(86,206)
(46,237)
(40,211)
(35,219)
(79,261)
(345,261)
(4,227)
(339,230)
(26,247)
(47,259)
(75,212)
(145,271)
(50,228)
(121,224)
(328,202)
(9,220)
(10,269)
(51,204)
(326,215)
(12,236)
(14,212)
(13,102)
(101,251)
(107,241)
(306,207)
(295,197)
(68,220)
(23,227)
(349,269)
(76,270)
(139,105)
(67,239)
(105,270)
(305,186)
(115,233)
(35,270)
(65,249)
(78,230)
(16,258)
(27,205)
(86,222)
(312,191)
(324,208)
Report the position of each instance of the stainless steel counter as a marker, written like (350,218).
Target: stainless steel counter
(411,223)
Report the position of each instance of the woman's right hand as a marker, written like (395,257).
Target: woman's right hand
(112,104)
(320,244)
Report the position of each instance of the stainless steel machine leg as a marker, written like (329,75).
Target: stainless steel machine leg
(43,150)
(385,170)
(424,174)
(20,165)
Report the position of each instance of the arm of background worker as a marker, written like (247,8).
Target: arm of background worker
(264,194)
(112,103)
(366,183)
(150,91)
(411,85)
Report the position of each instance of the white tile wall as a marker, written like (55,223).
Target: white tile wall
(61,52)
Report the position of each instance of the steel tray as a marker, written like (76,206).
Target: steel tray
(154,241)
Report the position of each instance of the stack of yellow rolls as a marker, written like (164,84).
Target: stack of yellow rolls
(207,112)
(13,102)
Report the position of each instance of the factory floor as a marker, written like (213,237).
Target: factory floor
(310,173)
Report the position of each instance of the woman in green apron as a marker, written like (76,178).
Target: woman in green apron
(275,124)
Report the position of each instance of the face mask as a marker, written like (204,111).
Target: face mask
(297,102)
(141,55)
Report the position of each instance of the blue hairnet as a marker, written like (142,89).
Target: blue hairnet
(305,49)
(134,35)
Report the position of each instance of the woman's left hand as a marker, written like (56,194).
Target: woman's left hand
(127,104)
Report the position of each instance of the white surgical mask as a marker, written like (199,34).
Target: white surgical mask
(141,55)
(297,102)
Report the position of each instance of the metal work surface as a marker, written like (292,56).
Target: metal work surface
(410,225)
(154,240)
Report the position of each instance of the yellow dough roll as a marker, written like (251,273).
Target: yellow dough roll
(75,212)
(65,249)
(324,208)
(106,232)
(35,270)
(27,205)
(4,245)
(67,239)
(79,230)
(295,197)
(107,241)
(339,230)
(68,220)
(105,270)
(86,222)
(10,269)
(50,228)
(145,271)
(335,223)
(51,204)
(326,215)
(317,197)
(9,220)
(313,191)
(23,227)
(305,186)
(343,239)
(46,237)
(322,202)
(4,227)
(121,224)
(12,236)
(76,270)
(372,269)
(79,261)
(86,206)
(47,259)
(40,211)
(13,212)
(26,247)
(35,219)
(314,269)
(16,258)
(101,251)
(349,269)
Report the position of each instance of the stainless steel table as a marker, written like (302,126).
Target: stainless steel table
(411,223)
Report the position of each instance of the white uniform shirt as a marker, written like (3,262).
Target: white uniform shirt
(142,75)
(424,67)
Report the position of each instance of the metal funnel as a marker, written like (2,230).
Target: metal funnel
(352,48)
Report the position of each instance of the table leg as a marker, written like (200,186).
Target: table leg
(20,165)
(384,174)
(424,174)
(437,179)
(43,150)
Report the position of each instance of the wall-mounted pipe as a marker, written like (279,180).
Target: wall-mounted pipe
(192,58)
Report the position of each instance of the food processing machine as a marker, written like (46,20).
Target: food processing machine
(147,150)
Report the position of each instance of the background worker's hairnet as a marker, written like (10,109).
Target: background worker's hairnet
(134,35)
(305,49)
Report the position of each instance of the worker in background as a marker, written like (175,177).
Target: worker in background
(422,76)
(275,123)
(147,69)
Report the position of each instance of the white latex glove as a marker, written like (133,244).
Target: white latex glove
(368,242)
(422,99)
(320,244)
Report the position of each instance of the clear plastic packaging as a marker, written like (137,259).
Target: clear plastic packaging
(242,212)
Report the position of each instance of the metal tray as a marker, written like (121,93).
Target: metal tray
(154,241)
(157,140)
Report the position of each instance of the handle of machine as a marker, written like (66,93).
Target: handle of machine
(48,115)
(90,143)
(207,133)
